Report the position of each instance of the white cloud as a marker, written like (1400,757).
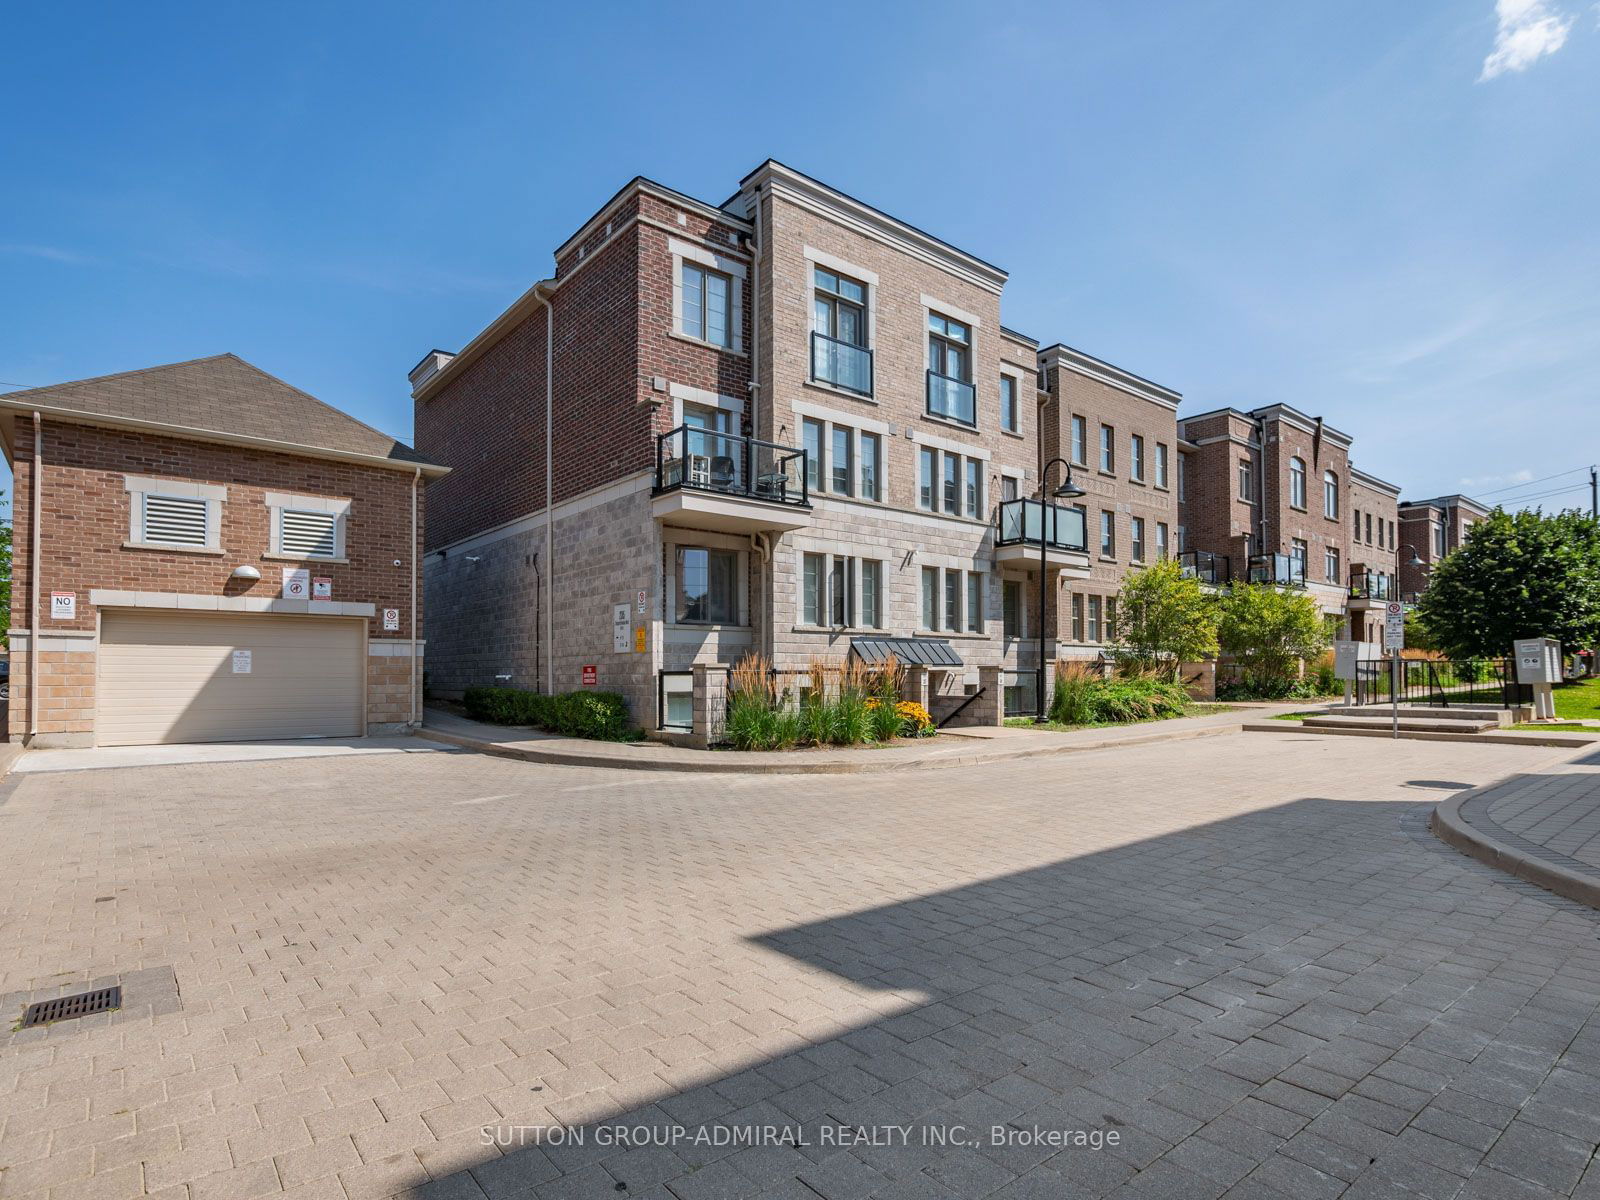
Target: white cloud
(1529,30)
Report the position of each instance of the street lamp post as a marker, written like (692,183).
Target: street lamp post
(1068,490)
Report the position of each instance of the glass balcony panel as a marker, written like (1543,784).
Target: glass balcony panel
(842,364)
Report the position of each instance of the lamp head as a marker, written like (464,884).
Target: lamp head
(1069,490)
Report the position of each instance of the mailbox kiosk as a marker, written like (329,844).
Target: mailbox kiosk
(1539,663)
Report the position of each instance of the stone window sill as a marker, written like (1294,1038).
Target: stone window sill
(215,552)
(694,341)
(820,385)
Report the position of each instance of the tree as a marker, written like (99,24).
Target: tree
(1269,631)
(1163,619)
(1518,575)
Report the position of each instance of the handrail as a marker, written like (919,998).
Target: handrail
(960,708)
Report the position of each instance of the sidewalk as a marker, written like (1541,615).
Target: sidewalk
(1543,827)
(956,748)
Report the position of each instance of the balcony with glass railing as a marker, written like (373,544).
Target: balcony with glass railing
(841,364)
(716,480)
(1211,569)
(1371,588)
(952,399)
(1278,570)
(1021,524)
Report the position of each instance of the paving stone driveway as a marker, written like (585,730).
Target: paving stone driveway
(1240,958)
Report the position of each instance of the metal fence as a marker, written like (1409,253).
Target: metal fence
(1021,692)
(1444,683)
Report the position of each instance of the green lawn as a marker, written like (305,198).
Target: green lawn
(1559,727)
(1194,710)
(1578,701)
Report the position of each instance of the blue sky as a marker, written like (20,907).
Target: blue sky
(1382,213)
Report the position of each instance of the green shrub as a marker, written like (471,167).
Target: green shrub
(1074,699)
(1083,697)
(886,720)
(601,716)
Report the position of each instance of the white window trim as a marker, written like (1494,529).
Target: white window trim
(683,252)
(869,279)
(829,418)
(280,502)
(830,555)
(682,393)
(140,486)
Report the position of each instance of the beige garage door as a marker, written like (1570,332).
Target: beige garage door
(204,677)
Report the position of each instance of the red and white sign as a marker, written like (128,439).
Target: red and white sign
(391,620)
(321,588)
(63,606)
(296,583)
(591,675)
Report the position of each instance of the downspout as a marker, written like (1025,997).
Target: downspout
(549,485)
(769,602)
(36,520)
(416,482)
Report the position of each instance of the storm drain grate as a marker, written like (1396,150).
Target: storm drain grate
(83,1004)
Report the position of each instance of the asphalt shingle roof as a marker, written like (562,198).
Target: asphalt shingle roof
(223,395)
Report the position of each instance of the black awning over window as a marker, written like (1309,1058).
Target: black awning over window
(917,652)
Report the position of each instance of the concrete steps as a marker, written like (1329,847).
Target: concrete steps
(1407,724)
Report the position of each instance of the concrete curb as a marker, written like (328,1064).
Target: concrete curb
(1566,741)
(733,765)
(1450,827)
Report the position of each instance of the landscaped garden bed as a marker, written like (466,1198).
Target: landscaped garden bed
(830,704)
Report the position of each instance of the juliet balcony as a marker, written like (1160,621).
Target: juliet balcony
(1022,523)
(1211,569)
(707,479)
(841,364)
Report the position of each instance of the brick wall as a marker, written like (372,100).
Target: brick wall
(86,521)
(1212,514)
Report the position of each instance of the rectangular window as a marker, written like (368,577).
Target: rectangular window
(1011,608)
(1137,465)
(1331,563)
(707,586)
(871,594)
(175,520)
(1008,487)
(952,483)
(811,436)
(1080,441)
(1369,531)
(705,305)
(1094,618)
(1393,545)
(871,466)
(1009,420)
(1357,533)
(841,590)
(306,534)
(974,488)
(1077,616)
(1161,539)
(1438,539)
(950,390)
(1162,462)
(1108,534)
(974,602)
(952,600)
(842,464)
(1247,481)
(1111,618)
(1108,449)
(1299,552)
(811,589)
(1180,539)
(1136,538)
(1182,467)
(1330,495)
(930,597)
(926,494)
(839,308)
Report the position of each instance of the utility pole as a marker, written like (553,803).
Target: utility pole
(1594,494)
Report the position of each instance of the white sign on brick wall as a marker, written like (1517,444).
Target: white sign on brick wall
(63,606)
(296,583)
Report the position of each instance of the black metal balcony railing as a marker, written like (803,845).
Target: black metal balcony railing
(1279,570)
(1022,520)
(1372,585)
(842,364)
(953,398)
(1206,566)
(709,461)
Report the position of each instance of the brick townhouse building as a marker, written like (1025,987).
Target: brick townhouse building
(1272,496)
(1119,432)
(789,423)
(1430,529)
(204,553)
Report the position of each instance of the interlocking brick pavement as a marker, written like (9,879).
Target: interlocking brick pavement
(1243,956)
